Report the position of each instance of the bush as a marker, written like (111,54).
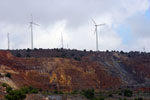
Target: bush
(35,49)
(121,52)
(138,99)
(28,50)
(8,89)
(101,99)
(124,99)
(4,85)
(72,54)
(77,58)
(28,55)
(8,75)
(128,93)
(15,95)
(19,94)
(63,55)
(60,92)
(81,55)
(25,90)
(18,55)
(91,51)
(32,90)
(29,89)
(55,91)
(75,92)
(89,93)
(110,95)
(98,98)
(120,93)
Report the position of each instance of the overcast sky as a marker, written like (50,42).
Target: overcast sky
(127,24)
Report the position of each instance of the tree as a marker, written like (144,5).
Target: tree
(28,50)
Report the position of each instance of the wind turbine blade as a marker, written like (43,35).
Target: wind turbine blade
(100,24)
(93,21)
(29,27)
(36,24)
(31,18)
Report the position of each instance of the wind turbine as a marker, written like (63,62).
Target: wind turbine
(96,25)
(144,49)
(62,40)
(8,41)
(31,26)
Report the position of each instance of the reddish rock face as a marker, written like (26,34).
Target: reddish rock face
(67,74)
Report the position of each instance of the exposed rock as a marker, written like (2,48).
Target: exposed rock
(93,70)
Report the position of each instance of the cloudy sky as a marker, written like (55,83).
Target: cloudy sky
(127,24)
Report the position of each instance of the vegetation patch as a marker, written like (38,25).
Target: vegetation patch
(19,94)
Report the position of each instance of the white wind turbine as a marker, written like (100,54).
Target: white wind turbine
(95,31)
(8,41)
(62,42)
(31,26)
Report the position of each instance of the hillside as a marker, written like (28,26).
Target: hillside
(67,70)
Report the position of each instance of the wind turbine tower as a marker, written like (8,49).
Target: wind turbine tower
(95,31)
(8,41)
(31,26)
(62,40)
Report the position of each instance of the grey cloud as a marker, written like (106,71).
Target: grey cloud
(76,13)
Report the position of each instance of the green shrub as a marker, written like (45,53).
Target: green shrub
(29,89)
(18,55)
(120,93)
(15,95)
(100,94)
(8,75)
(40,90)
(4,85)
(72,54)
(28,50)
(75,92)
(110,95)
(138,99)
(55,91)
(84,50)
(28,55)
(124,99)
(19,94)
(32,90)
(89,93)
(60,92)
(128,93)
(98,98)
(8,89)
(63,55)
(101,99)
(77,58)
